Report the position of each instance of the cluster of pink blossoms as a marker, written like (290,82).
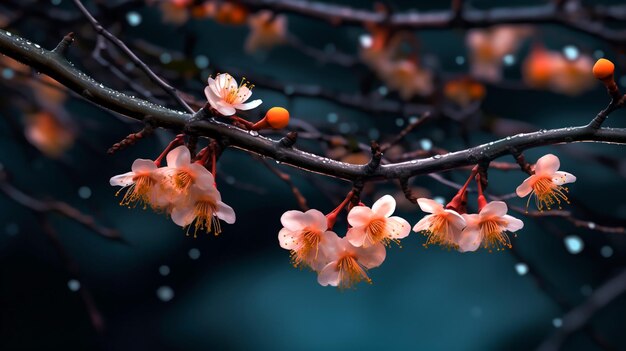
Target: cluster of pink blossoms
(344,261)
(183,189)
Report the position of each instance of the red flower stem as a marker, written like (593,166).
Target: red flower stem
(244,122)
(331,218)
(178,140)
(482,202)
(459,200)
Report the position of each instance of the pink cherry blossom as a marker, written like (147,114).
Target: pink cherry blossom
(373,226)
(349,264)
(547,183)
(143,184)
(204,206)
(442,227)
(305,233)
(489,228)
(226,96)
(183,174)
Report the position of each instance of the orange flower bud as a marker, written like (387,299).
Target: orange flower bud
(275,118)
(603,69)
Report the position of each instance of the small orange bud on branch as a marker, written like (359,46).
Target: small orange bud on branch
(604,70)
(275,118)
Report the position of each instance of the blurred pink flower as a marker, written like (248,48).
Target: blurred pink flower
(266,31)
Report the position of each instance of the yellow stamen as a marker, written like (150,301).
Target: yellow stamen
(351,272)
(439,232)
(138,191)
(377,232)
(493,235)
(206,219)
(182,180)
(309,240)
(231,95)
(547,194)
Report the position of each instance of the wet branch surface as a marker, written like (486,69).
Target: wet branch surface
(54,64)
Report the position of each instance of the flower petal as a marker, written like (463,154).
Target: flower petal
(494,209)
(183,215)
(423,224)
(225,213)
(372,256)
(317,219)
(359,216)
(243,94)
(384,206)
(287,239)
(547,164)
(124,179)
(429,205)
(455,219)
(331,245)
(329,275)
(526,187)
(248,105)
(561,178)
(513,224)
(224,108)
(398,227)
(225,81)
(178,157)
(469,239)
(294,220)
(204,178)
(356,236)
(144,165)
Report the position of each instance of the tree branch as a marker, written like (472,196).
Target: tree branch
(60,69)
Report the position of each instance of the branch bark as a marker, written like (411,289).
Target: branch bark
(57,67)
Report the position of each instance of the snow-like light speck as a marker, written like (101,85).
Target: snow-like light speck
(194,254)
(521,268)
(84,192)
(571,52)
(606,251)
(73,285)
(332,117)
(365,40)
(573,244)
(133,18)
(165,293)
(164,270)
